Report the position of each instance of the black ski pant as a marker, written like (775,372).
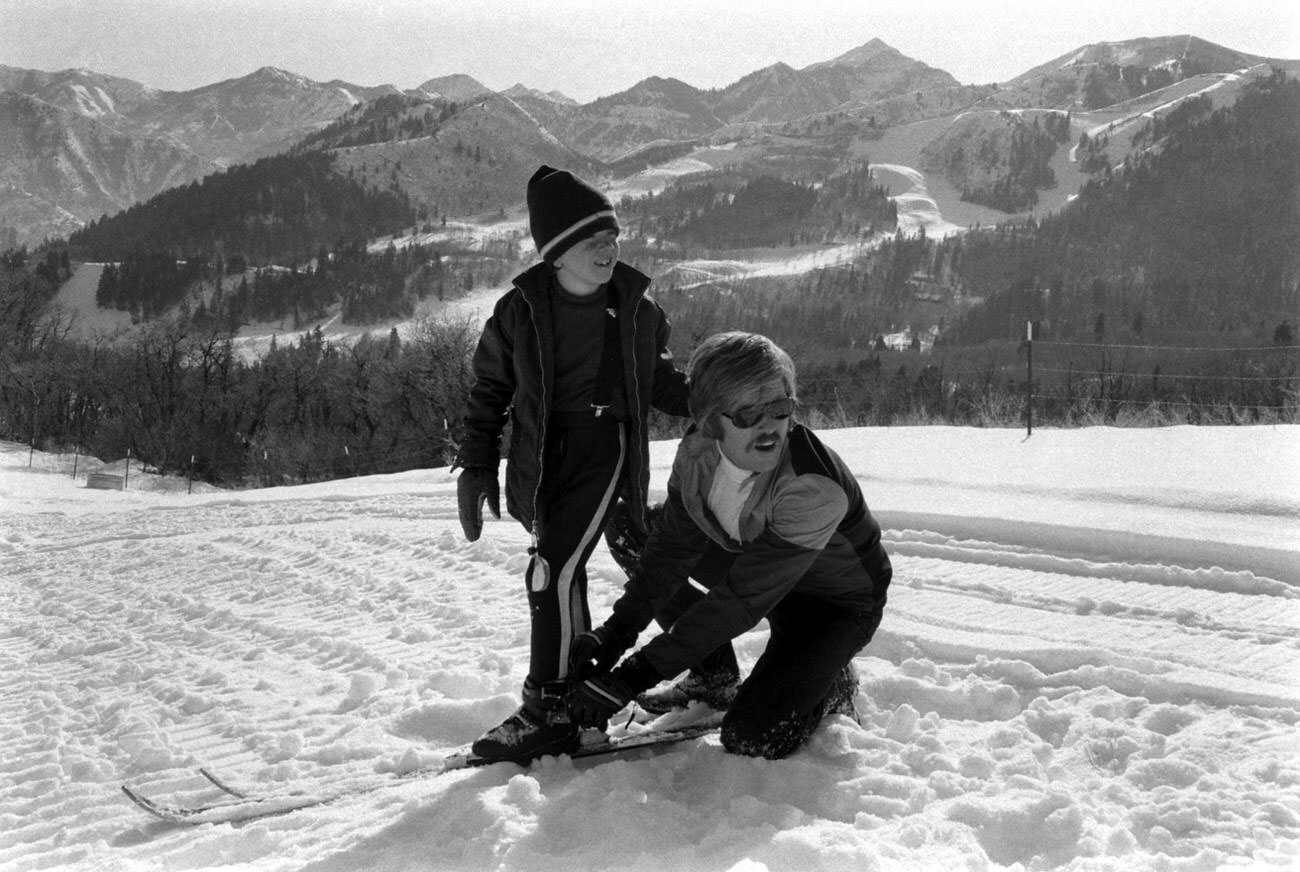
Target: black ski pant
(803,668)
(582,470)
(789,691)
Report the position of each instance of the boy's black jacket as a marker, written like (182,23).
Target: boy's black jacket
(513,380)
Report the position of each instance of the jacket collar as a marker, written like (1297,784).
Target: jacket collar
(693,469)
(628,281)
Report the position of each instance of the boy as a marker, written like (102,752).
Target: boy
(574,355)
(773,524)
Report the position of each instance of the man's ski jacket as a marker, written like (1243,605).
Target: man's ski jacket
(804,528)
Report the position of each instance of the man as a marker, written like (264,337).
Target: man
(772,524)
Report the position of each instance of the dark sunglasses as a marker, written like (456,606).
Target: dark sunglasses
(750,416)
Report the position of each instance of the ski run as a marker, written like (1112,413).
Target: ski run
(1088,662)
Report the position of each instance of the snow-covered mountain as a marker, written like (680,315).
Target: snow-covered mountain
(79,144)
(58,174)
(63,166)
(1105,73)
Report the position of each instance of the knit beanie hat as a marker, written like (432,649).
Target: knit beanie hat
(564,210)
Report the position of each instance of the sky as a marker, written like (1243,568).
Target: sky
(589,49)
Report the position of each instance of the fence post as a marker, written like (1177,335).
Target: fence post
(126,476)
(1029,382)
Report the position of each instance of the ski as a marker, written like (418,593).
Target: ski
(221,785)
(239,807)
(239,810)
(607,746)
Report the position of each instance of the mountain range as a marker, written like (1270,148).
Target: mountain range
(76,144)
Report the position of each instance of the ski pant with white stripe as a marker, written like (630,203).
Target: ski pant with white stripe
(806,665)
(582,474)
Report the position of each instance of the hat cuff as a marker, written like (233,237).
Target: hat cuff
(590,225)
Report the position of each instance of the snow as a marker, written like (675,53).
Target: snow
(1088,662)
(1180,92)
(95,105)
(917,210)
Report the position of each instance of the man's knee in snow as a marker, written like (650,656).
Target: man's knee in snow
(771,741)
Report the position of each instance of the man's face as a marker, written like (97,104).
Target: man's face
(589,263)
(757,448)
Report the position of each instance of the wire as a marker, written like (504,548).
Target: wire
(1103,401)
(1168,376)
(1224,348)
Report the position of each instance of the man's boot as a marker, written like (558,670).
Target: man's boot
(842,699)
(539,727)
(714,682)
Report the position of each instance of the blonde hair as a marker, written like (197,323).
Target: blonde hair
(729,365)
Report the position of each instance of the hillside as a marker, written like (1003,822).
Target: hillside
(837,107)
(98,144)
(476,160)
(62,166)
(837,270)
(278,210)
(946,160)
(1105,74)
(1197,231)
(980,165)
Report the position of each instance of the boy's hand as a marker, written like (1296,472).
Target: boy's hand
(477,485)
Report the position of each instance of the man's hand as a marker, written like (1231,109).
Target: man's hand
(592,702)
(477,485)
(596,651)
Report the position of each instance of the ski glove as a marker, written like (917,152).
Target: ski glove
(477,485)
(592,702)
(596,651)
(624,540)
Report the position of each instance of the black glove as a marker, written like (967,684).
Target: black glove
(622,537)
(596,651)
(592,702)
(477,485)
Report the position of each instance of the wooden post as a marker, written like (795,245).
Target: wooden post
(1029,383)
(31,448)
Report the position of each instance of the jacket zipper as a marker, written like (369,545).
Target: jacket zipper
(634,486)
(542,420)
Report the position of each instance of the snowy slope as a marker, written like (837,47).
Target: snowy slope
(1088,662)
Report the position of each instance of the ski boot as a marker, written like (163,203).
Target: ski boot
(538,728)
(714,682)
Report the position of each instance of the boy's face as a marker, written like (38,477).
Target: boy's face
(757,448)
(589,263)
